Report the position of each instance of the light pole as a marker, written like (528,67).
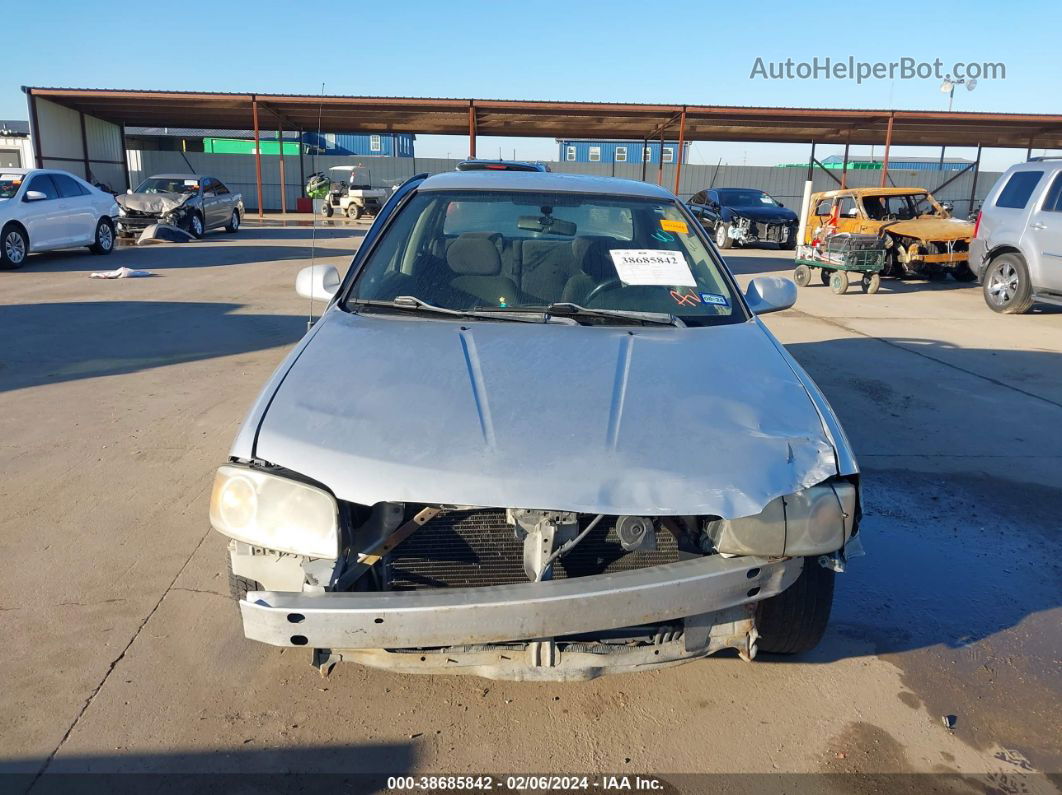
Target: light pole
(948,87)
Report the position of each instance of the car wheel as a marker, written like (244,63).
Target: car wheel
(104,237)
(1007,289)
(195,226)
(802,275)
(824,276)
(963,273)
(795,620)
(353,212)
(871,283)
(839,282)
(233,225)
(722,235)
(327,210)
(14,246)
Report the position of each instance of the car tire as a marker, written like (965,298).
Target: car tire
(239,586)
(194,226)
(795,620)
(802,275)
(722,235)
(353,212)
(326,210)
(14,248)
(839,282)
(104,237)
(1007,288)
(963,273)
(233,226)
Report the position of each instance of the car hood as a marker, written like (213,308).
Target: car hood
(614,420)
(767,214)
(932,228)
(154,203)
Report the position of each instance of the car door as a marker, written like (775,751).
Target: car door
(712,209)
(1042,239)
(209,202)
(79,213)
(848,216)
(43,218)
(225,202)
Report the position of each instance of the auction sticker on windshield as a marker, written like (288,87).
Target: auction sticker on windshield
(642,266)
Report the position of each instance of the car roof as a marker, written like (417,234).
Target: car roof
(178,176)
(830,194)
(542,181)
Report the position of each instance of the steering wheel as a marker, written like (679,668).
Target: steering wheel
(614,281)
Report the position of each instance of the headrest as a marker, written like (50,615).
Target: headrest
(473,255)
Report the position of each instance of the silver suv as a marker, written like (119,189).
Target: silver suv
(1017,247)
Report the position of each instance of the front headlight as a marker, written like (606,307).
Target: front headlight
(274,512)
(122,212)
(814,521)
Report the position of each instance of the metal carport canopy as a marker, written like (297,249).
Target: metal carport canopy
(561,119)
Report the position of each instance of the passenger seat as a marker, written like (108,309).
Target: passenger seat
(476,264)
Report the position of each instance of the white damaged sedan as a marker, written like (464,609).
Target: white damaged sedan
(537,434)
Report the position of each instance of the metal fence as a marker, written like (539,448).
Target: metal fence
(784,183)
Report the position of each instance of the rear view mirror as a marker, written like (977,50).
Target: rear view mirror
(545,223)
(770,294)
(34,196)
(319,282)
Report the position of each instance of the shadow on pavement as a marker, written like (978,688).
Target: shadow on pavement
(56,342)
(340,768)
(211,251)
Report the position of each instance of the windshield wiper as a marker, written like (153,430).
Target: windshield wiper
(566,309)
(410,302)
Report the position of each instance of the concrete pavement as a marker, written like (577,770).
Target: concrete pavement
(123,650)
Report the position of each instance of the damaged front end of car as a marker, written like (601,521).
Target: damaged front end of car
(513,593)
(139,211)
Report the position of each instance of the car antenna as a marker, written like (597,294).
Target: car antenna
(313,206)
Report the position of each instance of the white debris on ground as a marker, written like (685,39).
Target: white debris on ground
(120,273)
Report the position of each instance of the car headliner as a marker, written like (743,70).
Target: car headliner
(542,181)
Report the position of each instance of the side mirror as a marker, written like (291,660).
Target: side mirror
(770,294)
(34,196)
(322,282)
(947,206)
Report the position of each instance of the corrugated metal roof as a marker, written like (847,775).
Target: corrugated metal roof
(560,119)
(13,127)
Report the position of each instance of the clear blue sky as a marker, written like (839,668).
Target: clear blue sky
(615,51)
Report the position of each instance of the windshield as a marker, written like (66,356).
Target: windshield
(898,208)
(511,251)
(9,185)
(745,198)
(168,185)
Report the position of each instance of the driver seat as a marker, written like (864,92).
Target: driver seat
(593,267)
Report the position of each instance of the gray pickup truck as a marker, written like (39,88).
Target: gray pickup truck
(191,202)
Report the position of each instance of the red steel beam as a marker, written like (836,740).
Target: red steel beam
(888,143)
(471,129)
(681,145)
(257,156)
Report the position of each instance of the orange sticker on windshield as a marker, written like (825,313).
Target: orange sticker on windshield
(675,226)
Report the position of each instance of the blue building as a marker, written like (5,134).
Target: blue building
(361,144)
(618,150)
